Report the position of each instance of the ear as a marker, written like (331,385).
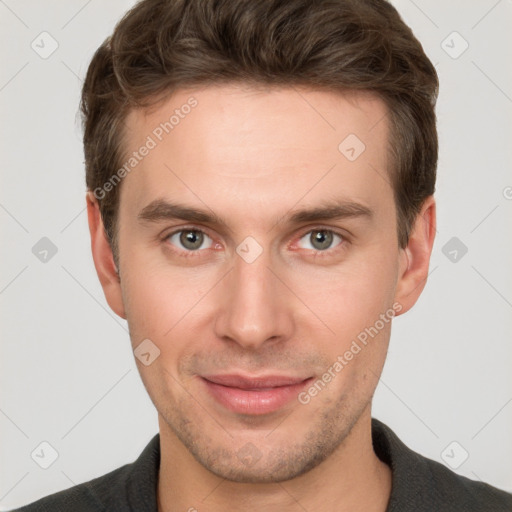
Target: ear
(103,257)
(415,258)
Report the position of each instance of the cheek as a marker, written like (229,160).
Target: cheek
(162,301)
(351,296)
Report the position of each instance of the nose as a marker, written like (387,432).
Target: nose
(254,306)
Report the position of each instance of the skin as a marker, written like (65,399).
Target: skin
(253,157)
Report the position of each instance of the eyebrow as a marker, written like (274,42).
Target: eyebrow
(161,210)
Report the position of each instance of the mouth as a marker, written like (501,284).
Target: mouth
(254,395)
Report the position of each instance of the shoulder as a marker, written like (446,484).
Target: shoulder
(129,487)
(422,484)
(85,497)
(463,493)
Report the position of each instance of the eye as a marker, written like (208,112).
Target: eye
(319,239)
(190,239)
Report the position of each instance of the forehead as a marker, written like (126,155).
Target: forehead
(258,145)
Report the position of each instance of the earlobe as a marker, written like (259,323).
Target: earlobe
(415,258)
(103,257)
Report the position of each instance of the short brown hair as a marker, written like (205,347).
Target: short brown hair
(338,45)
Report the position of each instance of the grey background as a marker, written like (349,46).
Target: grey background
(67,374)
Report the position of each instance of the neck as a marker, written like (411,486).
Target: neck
(352,479)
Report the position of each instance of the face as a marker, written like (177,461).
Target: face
(259,254)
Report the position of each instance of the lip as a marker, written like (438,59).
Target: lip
(254,395)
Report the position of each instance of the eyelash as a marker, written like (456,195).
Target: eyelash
(317,253)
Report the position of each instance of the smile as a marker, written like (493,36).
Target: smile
(254,396)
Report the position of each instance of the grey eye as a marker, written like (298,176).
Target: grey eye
(320,239)
(190,239)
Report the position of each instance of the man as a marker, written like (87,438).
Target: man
(260,200)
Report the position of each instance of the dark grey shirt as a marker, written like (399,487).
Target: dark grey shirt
(419,484)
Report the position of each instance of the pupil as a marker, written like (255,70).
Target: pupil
(322,239)
(191,239)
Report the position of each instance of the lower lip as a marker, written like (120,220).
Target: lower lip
(263,401)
